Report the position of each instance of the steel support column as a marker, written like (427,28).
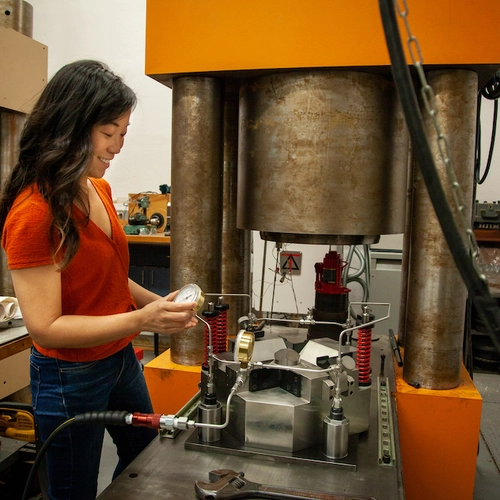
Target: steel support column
(196,201)
(436,294)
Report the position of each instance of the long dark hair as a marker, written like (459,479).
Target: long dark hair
(56,145)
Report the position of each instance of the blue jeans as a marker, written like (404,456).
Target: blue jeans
(63,389)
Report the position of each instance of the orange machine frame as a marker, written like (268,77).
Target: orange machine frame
(439,436)
(196,36)
(225,38)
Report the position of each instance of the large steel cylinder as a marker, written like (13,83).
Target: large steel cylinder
(436,298)
(17,15)
(236,243)
(322,157)
(11,127)
(196,199)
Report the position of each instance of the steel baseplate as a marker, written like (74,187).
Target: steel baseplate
(314,454)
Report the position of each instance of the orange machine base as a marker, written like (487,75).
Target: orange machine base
(439,436)
(170,385)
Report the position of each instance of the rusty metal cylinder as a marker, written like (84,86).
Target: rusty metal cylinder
(322,157)
(236,243)
(17,15)
(11,127)
(196,198)
(436,296)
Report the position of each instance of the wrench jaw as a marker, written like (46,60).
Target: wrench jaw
(224,483)
(218,474)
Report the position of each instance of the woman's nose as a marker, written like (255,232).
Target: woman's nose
(116,145)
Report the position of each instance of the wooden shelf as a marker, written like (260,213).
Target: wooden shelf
(149,239)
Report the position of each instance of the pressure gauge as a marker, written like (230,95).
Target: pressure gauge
(191,293)
(243,347)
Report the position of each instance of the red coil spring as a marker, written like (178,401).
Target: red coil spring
(212,321)
(364,354)
(222,332)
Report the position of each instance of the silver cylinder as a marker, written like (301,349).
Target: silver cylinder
(196,199)
(236,243)
(322,157)
(335,437)
(436,297)
(17,15)
(210,414)
(11,127)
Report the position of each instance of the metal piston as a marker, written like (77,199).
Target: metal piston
(322,157)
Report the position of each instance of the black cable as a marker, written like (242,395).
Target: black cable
(477,177)
(478,290)
(94,417)
(477,153)
(492,89)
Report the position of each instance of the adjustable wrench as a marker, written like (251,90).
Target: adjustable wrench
(228,484)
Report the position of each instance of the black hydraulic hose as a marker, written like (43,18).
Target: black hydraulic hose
(486,306)
(103,417)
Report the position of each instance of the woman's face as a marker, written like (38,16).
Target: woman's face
(107,140)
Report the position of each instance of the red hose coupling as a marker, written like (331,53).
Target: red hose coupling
(151,420)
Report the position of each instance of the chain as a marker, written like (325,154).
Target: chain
(442,143)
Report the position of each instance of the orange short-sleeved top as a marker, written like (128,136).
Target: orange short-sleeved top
(96,281)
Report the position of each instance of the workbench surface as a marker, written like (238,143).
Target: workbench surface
(10,334)
(167,470)
(149,239)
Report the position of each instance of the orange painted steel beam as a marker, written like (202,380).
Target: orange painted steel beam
(196,36)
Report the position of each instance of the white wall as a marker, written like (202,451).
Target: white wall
(114,32)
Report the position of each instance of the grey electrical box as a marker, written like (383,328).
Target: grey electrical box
(385,285)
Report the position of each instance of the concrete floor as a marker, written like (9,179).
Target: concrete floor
(108,456)
(487,485)
(108,464)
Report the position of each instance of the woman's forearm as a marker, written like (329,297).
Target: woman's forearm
(141,295)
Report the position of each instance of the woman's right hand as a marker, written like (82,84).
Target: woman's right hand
(168,317)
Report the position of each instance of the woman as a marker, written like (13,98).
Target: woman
(68,257)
